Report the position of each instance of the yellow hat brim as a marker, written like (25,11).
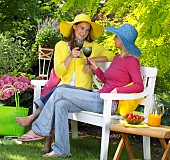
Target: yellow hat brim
(95,32)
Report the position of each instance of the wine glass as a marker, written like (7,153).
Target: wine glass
(87,52)
(78,43)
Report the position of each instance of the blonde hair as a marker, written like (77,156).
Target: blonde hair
(124,53)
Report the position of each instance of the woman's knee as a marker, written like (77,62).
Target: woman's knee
(61,106)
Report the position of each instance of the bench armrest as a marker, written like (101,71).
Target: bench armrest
(38,84)
(109,97)
(123,96)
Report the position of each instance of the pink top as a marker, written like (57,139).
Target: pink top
(121,72)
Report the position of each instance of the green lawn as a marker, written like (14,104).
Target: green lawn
(83,148)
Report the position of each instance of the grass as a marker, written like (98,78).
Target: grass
(84,148)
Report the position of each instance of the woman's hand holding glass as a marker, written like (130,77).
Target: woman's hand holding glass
(79,44)
(87,69)
(75,52)
(93,64)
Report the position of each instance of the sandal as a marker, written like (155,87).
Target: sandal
(52,154)
(28,138)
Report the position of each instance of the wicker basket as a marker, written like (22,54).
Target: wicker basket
(8,124)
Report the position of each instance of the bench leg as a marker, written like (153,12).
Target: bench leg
(104,143)
(74,129)
(146,148)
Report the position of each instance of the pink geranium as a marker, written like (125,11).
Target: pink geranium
(12,85)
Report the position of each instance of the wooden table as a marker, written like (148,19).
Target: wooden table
(162,133)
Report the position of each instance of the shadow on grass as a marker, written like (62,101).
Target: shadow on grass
(84,148)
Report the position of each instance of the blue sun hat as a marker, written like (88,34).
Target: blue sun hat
(127,34)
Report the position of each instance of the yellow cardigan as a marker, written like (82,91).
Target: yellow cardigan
(82,79)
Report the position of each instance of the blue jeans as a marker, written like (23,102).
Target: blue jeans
(60,103)
(42,101)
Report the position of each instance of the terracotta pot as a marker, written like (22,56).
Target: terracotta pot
(45,52)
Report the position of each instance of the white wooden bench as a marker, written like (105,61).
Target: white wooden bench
(106,119)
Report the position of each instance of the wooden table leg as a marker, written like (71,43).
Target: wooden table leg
(166,155)
(163,143)
(119,150)
(127,144)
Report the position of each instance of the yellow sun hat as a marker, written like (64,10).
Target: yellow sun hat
(95,32)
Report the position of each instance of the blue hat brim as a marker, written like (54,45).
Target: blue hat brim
(130,47)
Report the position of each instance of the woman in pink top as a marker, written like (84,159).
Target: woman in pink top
(124,69)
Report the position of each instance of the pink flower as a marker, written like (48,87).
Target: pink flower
(24,79)
(1,83)
(11,84)
(14,79)
(7,94)
(21,86)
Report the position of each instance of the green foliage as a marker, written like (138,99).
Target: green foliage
(16,73)
(13,55)
(152,23)
(89,7)
(21,17)
(119,10)
(48,33)
(165,100)
(18,17)
(152,20)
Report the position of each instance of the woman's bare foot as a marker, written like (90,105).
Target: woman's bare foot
(46,149)
(30,136)
(25,121)
(47,146)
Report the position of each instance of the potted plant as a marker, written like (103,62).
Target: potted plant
(12,86)
(47,36)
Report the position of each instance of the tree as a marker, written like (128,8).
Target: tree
(152,20)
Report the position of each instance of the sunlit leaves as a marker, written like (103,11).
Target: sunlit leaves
(152,20)
(89,7)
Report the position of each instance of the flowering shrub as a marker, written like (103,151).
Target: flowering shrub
(48,33)
(12,86)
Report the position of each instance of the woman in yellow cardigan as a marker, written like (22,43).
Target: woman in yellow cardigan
(73,71)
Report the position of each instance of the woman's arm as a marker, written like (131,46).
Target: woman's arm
(100,59)
(88,68)
(133,68)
